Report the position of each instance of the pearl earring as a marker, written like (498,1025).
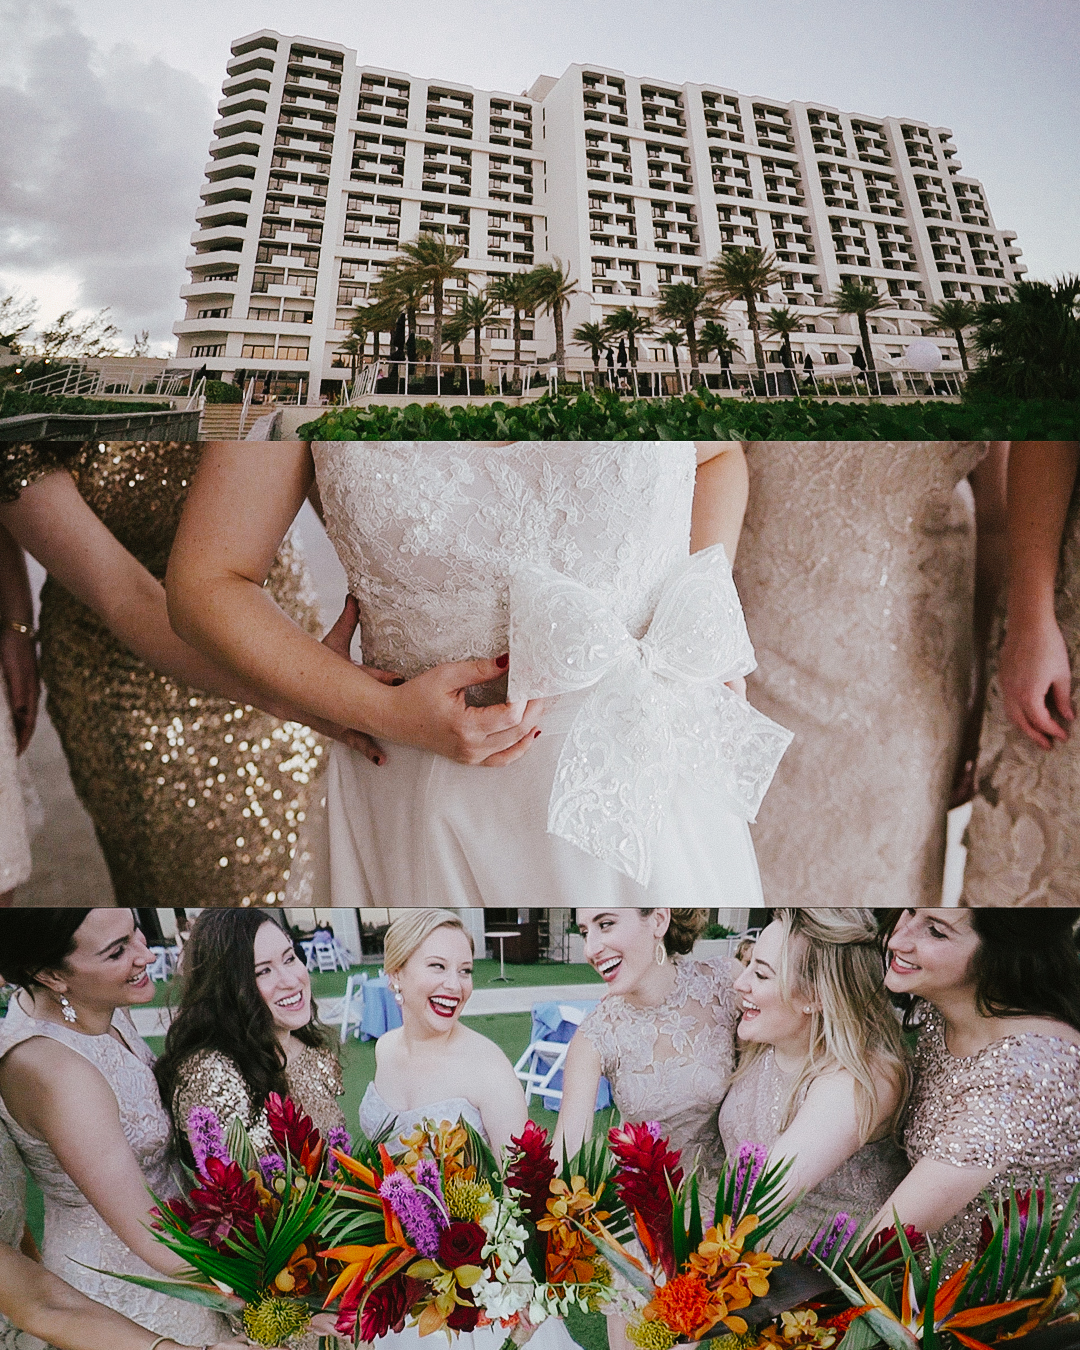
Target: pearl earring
(70,1015)
(808,1010)
(660,954)
(399,997)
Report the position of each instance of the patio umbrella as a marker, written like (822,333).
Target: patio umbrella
(397,339)
(858,358)
(610,359)
(808,364)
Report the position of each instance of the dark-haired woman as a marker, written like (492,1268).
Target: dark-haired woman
(663,1034)
(996,1100)
(245,1028)
(77,1095)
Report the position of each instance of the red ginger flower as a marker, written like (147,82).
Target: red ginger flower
(294,1131)
(227,1200)
(532,1170)
(648,1165)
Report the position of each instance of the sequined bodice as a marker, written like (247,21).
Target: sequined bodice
(209,1078)
(753,1110)
(429,532)
(376,1113)
(1013,1108)
(672,1063)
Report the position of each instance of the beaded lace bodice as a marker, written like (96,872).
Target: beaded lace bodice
(376,1112)
(753,1110)
(1013,1108)
(429,533)
(73,1228)
(672,1063)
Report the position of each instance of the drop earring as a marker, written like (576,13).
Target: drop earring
(70,1015)
(399,997)
(660,954)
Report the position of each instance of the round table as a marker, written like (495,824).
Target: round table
(502,975)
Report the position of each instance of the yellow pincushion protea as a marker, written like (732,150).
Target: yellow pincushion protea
(467,1200)
(749,1340)
(272,1321)
(651,1335)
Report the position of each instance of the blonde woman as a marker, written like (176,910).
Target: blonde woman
(824,1074)
(432,1067)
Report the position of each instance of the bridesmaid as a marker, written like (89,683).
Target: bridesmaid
(663,1033)
(432,1066)
(78,1096)
(823,1074)
(246,1027)
(186,791)
(996,1098)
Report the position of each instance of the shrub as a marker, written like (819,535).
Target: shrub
(15,402)
(220,391)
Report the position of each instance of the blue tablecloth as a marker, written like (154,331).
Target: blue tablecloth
(381,1012)
(548,1024)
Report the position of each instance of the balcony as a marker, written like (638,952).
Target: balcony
(235,145)
(199,289)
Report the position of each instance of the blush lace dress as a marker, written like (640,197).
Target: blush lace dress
(753,1110)
(74,1231)
(672,1063)
(12,1220)
(1014,1107)
(575,557)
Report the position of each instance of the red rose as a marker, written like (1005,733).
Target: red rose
(384,1310)
(465,1315)
(461,1244)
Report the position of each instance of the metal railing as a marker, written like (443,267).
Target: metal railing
(74,379)
(197,398)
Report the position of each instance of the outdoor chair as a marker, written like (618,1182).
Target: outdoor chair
(160,968)
(352,1006)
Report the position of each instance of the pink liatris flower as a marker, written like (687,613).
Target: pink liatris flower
(205,1136)
(419,1216)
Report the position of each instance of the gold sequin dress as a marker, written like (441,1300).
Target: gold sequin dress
(191,796)
(209,1078)
(1014,1107)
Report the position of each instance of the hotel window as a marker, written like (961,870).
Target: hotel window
(259,351)
(299,352)
(215,349)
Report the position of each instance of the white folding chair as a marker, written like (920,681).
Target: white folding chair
(160,968)
(352,1008)
(542,1060)
(325,958)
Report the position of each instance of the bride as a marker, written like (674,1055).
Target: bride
(512,589)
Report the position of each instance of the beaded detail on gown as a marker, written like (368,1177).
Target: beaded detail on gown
(12,1220)
(73,1228)
(753,1111)
(1013,1107)
(189,794)
(1023,840)
(672,1063)
(856,571)
(209,1078)
(430,536)
(376,1113)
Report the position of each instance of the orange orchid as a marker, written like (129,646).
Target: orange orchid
(800,1330)
(722,1246)
(295,1278)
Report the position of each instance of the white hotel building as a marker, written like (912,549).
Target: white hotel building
(320,166)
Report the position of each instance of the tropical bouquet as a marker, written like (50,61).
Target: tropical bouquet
(1022,1290)
(251,1227)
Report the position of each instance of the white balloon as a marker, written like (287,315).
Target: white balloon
(922,354)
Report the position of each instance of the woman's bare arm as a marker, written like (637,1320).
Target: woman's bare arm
(721,491)
(58,1096)
(1034,666)
(581,1078)
(931,1193)
(242,501)
(39,1302)
(502,1104)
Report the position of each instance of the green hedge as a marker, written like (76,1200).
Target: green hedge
(702,415)
(220,391)
(15,402)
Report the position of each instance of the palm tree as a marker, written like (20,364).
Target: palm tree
(553,291)
(684,303)
(673,338)
(455,330)
(593,336)
(953,316)
(376,318)
(353,347)
(516,291)
(404,290)
(714,337)
(628,321)
(744,274)
(431,259)
(784,322)
(474,311)
(1030,345)
(860,298)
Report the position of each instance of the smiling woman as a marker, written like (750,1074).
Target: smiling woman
(77,1095)
(245,1028)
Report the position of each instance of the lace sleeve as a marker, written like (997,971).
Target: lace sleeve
(212,1079)
(599,1030)
(726,970)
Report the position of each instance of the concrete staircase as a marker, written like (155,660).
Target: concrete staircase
(221,421)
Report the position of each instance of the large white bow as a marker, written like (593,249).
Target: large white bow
(659,707)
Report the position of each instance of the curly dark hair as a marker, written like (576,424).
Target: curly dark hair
(1027,964)
(32,940)
(686,926)
(221,1009)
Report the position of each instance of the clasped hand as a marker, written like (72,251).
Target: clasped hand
(430,711)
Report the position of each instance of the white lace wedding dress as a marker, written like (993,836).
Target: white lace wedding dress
(574,556)
(78,1242)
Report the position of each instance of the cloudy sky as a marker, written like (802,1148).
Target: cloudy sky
(106,105)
